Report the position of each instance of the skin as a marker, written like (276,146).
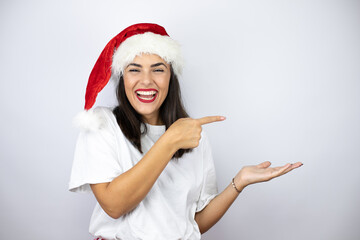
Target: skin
(147,71)
(126,191)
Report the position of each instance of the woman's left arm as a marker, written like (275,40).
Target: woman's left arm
(246,176)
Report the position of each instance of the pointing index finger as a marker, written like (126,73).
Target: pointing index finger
(210,119)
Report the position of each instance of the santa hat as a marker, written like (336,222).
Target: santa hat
(118,53)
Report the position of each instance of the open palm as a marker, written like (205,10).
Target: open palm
(262,173)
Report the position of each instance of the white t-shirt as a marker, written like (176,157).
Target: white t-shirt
(185,186)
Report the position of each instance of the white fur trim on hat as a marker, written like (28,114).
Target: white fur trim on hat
(163,46)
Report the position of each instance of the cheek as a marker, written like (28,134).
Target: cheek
(164,84)
(165,88)
(128,85)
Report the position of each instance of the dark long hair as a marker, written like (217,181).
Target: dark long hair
(130,121)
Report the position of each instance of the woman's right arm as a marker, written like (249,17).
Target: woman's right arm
(126,191)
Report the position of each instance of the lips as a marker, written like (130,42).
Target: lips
(146,95)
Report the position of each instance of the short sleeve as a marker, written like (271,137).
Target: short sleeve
(209,188)
(95,159)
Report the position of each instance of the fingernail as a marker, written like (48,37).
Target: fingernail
(222,118)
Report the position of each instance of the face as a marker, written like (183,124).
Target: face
(146,81)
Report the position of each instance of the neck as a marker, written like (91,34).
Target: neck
(153,120)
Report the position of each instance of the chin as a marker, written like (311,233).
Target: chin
(146,112)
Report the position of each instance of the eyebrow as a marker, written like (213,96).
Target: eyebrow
(158,64)
(153,65)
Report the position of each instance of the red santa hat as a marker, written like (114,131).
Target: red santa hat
(118,53)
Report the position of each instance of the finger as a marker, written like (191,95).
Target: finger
(298,164)
(210,119)
(288,167)
(277,171)
(293,166)
(264,164)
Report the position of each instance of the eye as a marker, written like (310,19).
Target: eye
(134,70)
(158,70)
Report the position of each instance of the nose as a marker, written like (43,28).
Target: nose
(146,78)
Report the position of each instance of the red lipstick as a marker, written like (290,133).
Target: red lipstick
(146,95)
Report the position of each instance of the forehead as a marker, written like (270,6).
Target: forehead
(148,59)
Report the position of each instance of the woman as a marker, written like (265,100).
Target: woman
(148,164)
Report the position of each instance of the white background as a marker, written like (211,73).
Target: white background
(286,74)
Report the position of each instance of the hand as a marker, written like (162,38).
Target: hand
(262,173)
(185,133)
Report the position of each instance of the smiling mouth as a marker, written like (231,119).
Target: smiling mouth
(146,95)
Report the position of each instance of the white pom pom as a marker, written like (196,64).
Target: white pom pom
(90,120)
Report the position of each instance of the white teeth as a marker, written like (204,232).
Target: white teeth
(145,98)
(147,93)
